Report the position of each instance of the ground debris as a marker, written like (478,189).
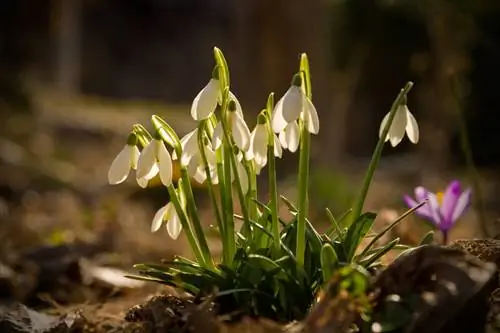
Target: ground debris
(21,319)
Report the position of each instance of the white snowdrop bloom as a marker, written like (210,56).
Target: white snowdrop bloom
(125,160)
(196,168)
(239,128)
(155,159)
(205,102)
(169,214)
(259,145)
(403,122)
(217,136)
(189,144)
(290,137)
(291,106)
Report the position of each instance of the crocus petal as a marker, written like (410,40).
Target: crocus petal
(146,166)
(159,218)
(398,127)
(278,151)
(312,116)
(450,199)
(462,204)
(421,194)
(174,226)
(241,133)
(164,164)
(120,167)
(278,123)
(205,102)
(423,212)
(292,104)
(434,210)
(411,126)
(217,136)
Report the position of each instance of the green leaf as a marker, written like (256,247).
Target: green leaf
(427,239)
(357,231)
(376,256)
(335,227)
(329,261)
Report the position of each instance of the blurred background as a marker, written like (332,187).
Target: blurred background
(75,75)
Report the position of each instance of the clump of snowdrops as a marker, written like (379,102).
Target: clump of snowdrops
(269,266)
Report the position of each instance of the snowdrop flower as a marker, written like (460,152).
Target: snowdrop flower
(125,160)
(205,102)
(239,128)
(290,137)
(291,106)
(169,214)
(442,209)
(196,168)
(217,136)
(403,122)
(259,142)
(155,159)
(189,144)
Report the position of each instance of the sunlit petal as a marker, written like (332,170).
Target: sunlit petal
(292,104)
(142,182)
(450,199)
(164,164)
(411,126)
(312,116)
(382,127)
(434,210)
(174,226)
(120,167)
(398,127)
(205,102)
(278,123)
(159,218)
(292,136)
(278,151)
(146,165)
(189,146)
(241,133)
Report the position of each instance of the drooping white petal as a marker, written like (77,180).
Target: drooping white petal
(411,126)
(159,218)
(120,167)
(290,137)
(164,164)
(134,156)
(146,166)
(311,115)
(205,102)
(189,144)
(398,127)
(217,136)
(278,151)
(174,226)
(259,145)
(241,133)
(293,104)
(278,123)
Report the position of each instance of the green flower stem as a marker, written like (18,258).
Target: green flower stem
(303,179)
(227,211)
(193,212)
(231,158)
(273,192)
(303,193)
(358,207)
(210,185)
(187,227)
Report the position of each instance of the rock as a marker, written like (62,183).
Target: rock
(434,290)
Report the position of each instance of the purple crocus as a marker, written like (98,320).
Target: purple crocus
(442,209)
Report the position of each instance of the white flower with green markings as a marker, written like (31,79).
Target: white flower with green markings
(126,160)
(155,159)
(403,122)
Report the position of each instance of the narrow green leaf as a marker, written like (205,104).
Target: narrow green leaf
(427,239)
(376,256)
(356,232)
(329,261)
